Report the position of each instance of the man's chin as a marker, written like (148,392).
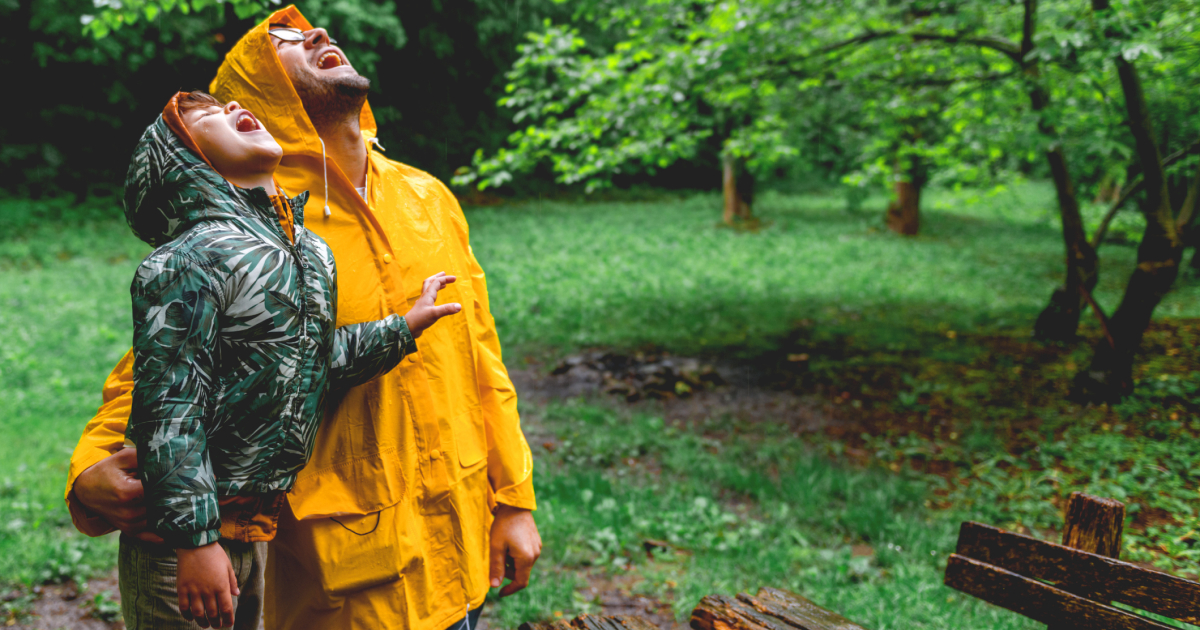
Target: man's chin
(349,81)
(331,96)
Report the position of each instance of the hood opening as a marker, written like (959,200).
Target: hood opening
(252,75)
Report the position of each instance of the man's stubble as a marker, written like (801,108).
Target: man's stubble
(333,101)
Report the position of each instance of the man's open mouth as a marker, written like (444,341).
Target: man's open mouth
(329,60)
(246,123)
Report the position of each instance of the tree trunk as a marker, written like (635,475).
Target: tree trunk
(904,213)
(1059,321)
(1110,375)
(738,186)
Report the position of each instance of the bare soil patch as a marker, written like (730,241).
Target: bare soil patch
(66,607)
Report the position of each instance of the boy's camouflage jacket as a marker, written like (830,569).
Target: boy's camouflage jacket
(234,340)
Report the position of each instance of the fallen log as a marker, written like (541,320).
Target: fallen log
(770,609)
(592,622)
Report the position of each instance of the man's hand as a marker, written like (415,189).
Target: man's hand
(515,546)
(111,488)
(423,314)
(206,585)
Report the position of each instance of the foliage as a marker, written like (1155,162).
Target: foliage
(88,99)
(114,14)
(860,90)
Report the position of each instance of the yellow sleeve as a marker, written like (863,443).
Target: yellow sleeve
(510,463)
(103,436)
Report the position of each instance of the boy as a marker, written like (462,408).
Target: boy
(235,350)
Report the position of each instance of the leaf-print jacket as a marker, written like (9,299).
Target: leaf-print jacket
(234,340)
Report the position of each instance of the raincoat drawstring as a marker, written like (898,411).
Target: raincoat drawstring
(325,173)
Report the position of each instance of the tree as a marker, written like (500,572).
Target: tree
(1109,377)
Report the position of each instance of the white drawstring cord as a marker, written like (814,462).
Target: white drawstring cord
(375,141)
(325,170)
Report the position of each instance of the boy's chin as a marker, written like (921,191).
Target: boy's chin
(264,152)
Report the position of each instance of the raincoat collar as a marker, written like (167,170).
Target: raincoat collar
(252,71)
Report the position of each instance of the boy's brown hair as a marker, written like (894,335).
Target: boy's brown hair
(177,106)
(188,101)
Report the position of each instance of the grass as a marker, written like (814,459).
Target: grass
(959,415)
(737,511)
(64,315)
(658,273)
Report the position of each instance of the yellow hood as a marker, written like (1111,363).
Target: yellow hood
(253,73)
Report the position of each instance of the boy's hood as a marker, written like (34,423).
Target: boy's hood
(252,75)
(170,185)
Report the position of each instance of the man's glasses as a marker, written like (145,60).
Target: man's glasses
(293,35)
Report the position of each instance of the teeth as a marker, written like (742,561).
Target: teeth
(331,57)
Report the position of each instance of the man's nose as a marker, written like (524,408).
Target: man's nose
(317,37)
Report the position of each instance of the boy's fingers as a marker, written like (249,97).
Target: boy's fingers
(185,605)
(233,587)
(212,609)
(226,603)
(197,609)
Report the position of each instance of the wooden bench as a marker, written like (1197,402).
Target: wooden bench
(1072,586)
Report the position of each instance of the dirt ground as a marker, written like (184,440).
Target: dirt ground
(64,607)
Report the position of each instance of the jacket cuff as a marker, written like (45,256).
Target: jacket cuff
(518,496)
(193,541)
(406,343)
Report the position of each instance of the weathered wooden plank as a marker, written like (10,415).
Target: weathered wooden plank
(592,622)
(797,610)
(1037,600)
(771,609)
(1142,588)
(1093,524)
(720,612)
(620,622)
(545,625)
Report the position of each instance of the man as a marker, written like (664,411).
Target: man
(419,492)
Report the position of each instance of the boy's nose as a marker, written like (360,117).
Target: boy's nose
(231,107)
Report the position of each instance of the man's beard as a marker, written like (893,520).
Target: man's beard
(331,101)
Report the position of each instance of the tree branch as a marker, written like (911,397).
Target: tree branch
(993,42)
(1135,187)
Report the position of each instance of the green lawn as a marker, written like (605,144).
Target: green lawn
(627,274)
(742,507)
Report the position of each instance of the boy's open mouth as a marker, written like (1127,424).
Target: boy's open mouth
(329,60)
(246,123)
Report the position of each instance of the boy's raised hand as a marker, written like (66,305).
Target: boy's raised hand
(206,585)
(424,313)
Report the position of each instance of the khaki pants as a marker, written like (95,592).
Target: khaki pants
(147,575)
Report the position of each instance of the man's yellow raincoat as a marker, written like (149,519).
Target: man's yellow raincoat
(388,524)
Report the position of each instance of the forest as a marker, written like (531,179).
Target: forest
(788,288)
